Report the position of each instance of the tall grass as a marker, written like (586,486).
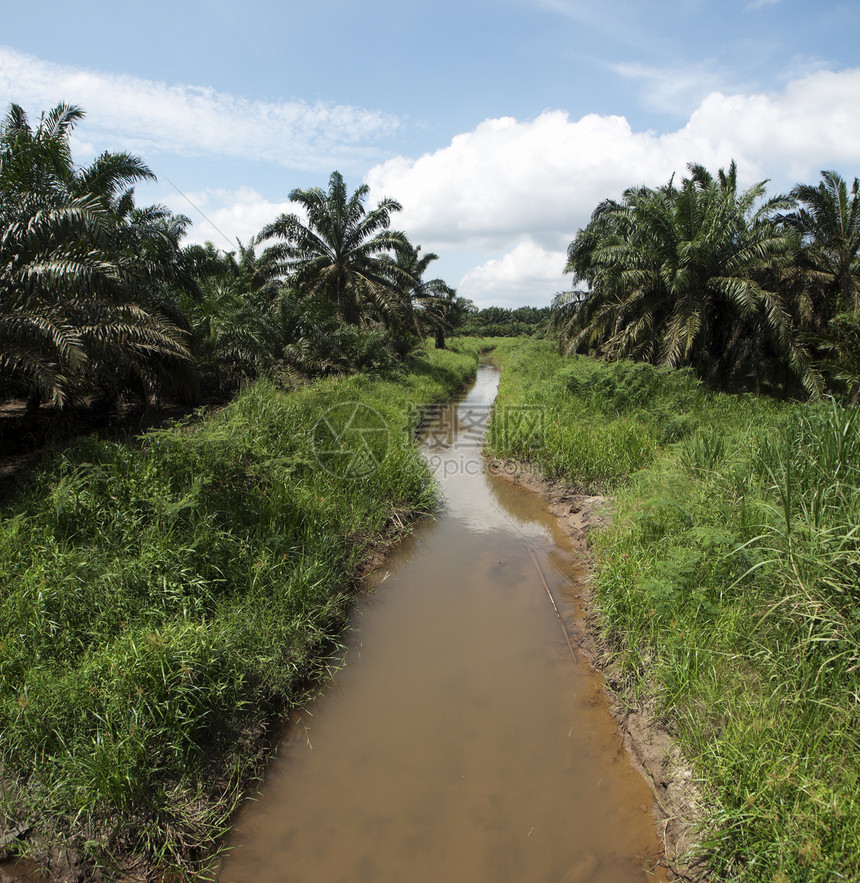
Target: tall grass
(591,425)
(166,602)
(466,346)
(728,589)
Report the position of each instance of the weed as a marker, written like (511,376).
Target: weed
(165,602)
(728,587)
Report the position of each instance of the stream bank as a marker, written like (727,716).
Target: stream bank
(464,738)
(169,600)
(647,735)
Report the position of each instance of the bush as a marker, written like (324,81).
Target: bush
(167,600)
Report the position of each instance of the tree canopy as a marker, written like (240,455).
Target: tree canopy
(705,275)
(99,296)
(82,269)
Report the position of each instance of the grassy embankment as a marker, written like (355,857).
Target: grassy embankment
(728,588)
(164,603)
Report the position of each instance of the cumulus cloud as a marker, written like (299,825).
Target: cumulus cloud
(528,274)
(222,216)
(812,124)
(544,176)
(510,187)
(507,178)
(147,117)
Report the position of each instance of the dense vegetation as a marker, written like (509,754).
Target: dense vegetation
(167,599)
(502,322)
(727,587)
(83,271)
(749,292)
(165,603)
(100,300)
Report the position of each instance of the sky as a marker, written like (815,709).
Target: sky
(498,125)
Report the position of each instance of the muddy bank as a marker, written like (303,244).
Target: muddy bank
(460,717)
(647,734)
(30,852)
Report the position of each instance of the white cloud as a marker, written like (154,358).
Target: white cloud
(508,178)
(812,124)
(223,216)
(509,186)
(526,274)
(671,89)
(148,117)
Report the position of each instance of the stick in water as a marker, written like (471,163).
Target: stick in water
(552,601)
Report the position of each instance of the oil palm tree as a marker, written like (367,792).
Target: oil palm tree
(304,338)
(35,165)
(41,268)
(824,278)
(841,347)
(827,220)
(82,271)
(341,254)
(681,275)
(427,302)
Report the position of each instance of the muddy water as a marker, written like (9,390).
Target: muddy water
(461,742)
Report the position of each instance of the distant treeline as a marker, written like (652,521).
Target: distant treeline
(501,322)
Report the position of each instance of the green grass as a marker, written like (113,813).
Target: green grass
(595,428)
(165,603)
(728,589)
(464,346)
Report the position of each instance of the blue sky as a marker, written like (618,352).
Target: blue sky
(498,125)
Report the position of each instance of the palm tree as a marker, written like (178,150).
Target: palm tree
(35,166)
(304,338)
(341,254)
(427,303)
(233,313)
(682,275)
(841,346)
(230,335)
(257,275)
(824,279)
(83,273)
(827,220)
(42,267)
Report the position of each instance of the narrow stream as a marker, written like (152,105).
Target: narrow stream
(461,742)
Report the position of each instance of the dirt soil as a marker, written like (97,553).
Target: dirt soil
(647,735)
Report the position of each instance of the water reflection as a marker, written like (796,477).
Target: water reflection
(462,741)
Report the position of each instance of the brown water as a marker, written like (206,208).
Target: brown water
(461,742)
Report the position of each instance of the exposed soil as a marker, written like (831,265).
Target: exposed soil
(647,734)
